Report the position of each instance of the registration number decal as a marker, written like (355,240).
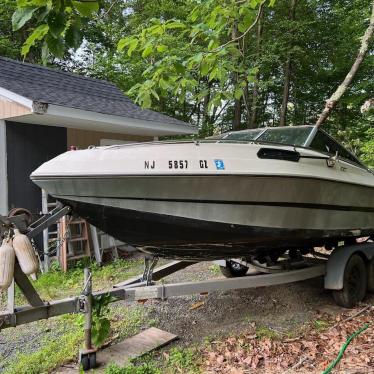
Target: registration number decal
(220,165)
(149,164)
(178,164)
(203,164)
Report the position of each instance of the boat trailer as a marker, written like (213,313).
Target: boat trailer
(339,269)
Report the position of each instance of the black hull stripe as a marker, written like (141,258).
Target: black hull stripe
(233,202)
(116,176)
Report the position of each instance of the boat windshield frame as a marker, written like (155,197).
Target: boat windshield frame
(306,144)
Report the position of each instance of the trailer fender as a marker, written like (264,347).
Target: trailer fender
(338,260)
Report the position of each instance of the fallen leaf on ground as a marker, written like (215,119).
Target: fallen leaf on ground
(197,305)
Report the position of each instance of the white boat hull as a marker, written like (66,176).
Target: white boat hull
(240,210)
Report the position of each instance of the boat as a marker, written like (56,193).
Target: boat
(238,194)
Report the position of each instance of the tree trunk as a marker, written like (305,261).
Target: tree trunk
(237,102)
(286,93)
(335,97)
(253,118)
(287,75)
(237,114)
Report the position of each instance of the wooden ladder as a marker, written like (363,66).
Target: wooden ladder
(74,239)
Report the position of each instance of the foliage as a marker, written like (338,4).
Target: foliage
(57,284)
(59,23)
(367,148)
(196,61)
(186,58)
(176,360)
(10,42)
(100,319)
(146,368)
(68,338)
(53,354)
(321,325)
(263,332)
(181,359)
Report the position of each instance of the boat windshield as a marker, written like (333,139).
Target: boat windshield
(296,136)
(286,135)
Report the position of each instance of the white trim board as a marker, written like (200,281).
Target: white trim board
(3,170)
(15,97)
(120,121)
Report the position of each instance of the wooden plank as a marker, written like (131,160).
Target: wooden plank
(133,347)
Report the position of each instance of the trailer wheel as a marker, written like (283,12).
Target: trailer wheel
(354,283)
(233,269)
(371,276)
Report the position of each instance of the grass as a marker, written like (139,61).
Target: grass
(215,270)
(57,285)
(68,337)
(321,325)
(176,360)
(265,332)
(52,354)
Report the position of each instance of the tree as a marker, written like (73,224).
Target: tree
(11,42)
(58,24)
(170,60)
(287,72)
(333,100)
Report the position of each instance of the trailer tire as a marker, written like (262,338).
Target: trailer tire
(233,269)
(371,276)
(354,283)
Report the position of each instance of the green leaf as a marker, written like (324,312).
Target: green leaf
(154,93)
(212,45)
(132,46)
(147,50)
(32,3)
(45,53)
(124,42)
(179,68)
(56,45)
(36,35)
(21,16)
(73,36)
(204,67)
(238,93)
(86,8)
(253,3)
(163,84)
(162,48)
(145,100)
(56,23)
(175,25)
(213,74)
(100,330)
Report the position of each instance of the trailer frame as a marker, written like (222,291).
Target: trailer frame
(143,287)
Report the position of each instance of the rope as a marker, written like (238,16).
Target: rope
(343,348)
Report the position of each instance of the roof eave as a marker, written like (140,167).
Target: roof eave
(120,123)
(56,115)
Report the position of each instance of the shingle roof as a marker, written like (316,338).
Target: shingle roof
(46,85)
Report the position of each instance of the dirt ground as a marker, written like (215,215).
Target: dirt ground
(283,308)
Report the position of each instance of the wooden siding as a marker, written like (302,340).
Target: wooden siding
(85,138)
(9,109)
